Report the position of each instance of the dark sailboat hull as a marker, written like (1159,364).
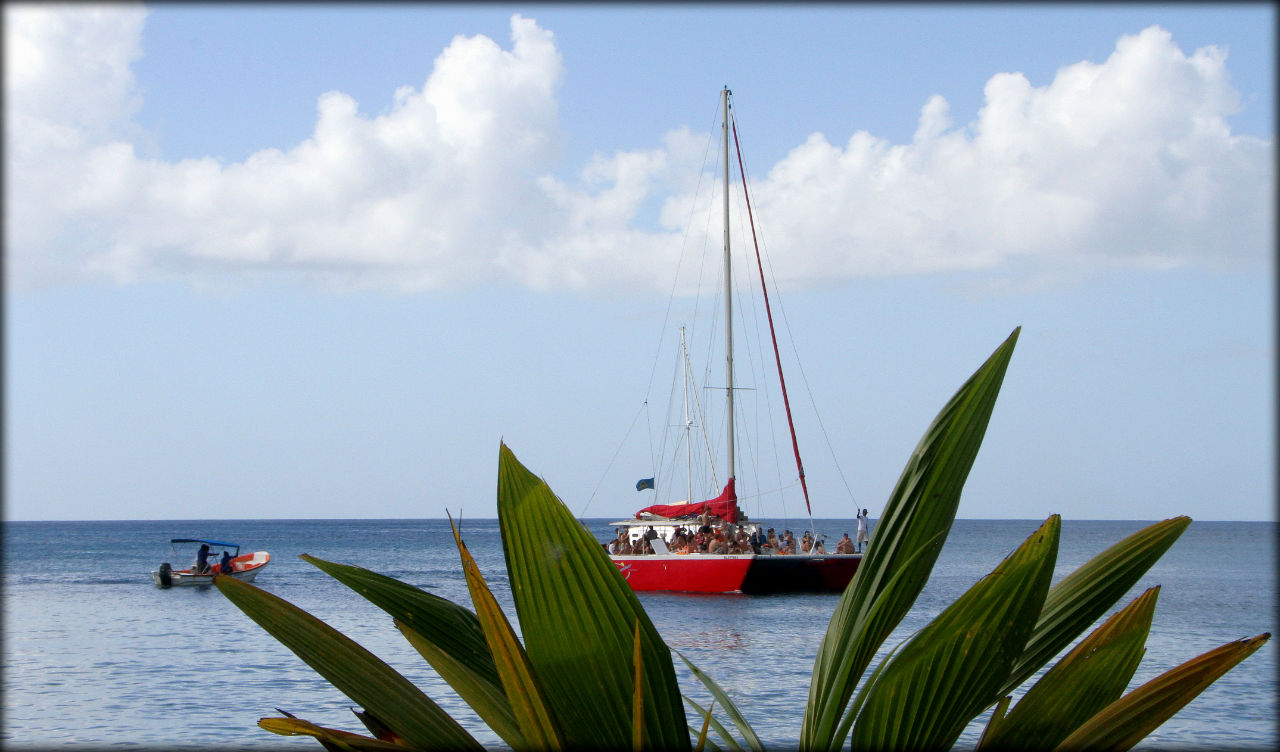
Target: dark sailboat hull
(828,573)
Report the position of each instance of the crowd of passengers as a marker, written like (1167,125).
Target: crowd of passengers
(723,539)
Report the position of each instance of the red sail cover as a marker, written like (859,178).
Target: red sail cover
(725,506)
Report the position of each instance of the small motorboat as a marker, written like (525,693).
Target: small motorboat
(208,562)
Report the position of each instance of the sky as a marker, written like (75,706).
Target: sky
(291,261)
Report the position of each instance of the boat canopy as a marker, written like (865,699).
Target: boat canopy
(725,506)
(202,540)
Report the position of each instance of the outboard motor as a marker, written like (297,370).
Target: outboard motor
(166,575)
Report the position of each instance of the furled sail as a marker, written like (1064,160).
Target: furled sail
(724,506)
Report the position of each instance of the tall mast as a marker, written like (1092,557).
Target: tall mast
(688,423)
(728,282)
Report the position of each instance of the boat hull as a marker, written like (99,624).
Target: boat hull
(244,568)
(183,578)
(744,573)
(686,573)
(823,573)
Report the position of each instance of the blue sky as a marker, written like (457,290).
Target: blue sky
(317,261)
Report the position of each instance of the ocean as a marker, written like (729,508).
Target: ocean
(95,656)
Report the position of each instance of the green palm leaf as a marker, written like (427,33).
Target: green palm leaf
(333,739)
(637,694)
(995,721)
(1087,593)
(377,727)
(447,635)
(709,722)
(1087,679)
(910,535)
(730,708)
(1125,722)
(942,677)
(578,617)
(350,668)
(538,729)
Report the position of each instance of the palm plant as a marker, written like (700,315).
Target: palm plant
(575,609)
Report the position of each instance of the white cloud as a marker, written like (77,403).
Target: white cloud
(1127,162)
(431,193)
(68,89)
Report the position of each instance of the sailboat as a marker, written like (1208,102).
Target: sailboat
(710,546)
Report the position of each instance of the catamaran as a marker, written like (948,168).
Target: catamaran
(732,553)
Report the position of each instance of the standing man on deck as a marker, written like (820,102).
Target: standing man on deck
(863,537)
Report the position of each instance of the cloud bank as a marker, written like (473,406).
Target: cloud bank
(1125,163)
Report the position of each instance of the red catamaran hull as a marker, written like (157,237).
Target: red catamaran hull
(704,573)
(688,573)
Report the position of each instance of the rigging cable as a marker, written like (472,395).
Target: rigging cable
(661,337)
(795,446)
(616,452)
(799,364)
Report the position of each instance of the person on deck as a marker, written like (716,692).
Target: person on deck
(863,537)
(771,540)
(202,559)
(845,546)
(806,543)
(225,564)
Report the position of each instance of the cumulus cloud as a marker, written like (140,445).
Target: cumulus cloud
(1128,162)
(436,191)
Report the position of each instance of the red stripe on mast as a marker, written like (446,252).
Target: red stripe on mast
(795,446)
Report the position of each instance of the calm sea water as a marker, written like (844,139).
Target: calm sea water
(95,656)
